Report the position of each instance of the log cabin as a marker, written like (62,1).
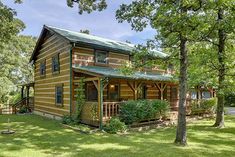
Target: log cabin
(62,57)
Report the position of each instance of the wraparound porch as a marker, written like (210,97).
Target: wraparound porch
(105,93)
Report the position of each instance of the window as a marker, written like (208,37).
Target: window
(55,64)
(91,92)
(43,68)
(206,95)
(113,92)
(193,95)
(142,92)
(174,93)
(101,57)
(59,95)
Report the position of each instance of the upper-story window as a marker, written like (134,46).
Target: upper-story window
(194,95)
(101,57)
(43,68)
(55,64)
(206,95)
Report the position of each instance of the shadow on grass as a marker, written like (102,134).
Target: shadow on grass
(46,137)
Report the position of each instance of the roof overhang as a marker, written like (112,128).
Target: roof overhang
(116,73)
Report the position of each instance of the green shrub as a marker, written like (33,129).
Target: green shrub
(204,106)
(23,110)
(161,107)
(230,99)
(66,119)
(128,113)
(140,110)
(115,125)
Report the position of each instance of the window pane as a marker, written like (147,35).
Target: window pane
(174,93)
(55,63)
(101,57)
(42,68)
(113,92)
(206,95)
(92,93)
(59,95)
(193,95)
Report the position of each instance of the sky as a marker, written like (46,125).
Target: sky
(36,13)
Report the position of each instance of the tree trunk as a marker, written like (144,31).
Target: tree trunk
(221,74)
(181,137)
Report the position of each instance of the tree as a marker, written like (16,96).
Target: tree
(218,40)
(163,16)
(88,5)
(9,25)
(14,63)
(85,31)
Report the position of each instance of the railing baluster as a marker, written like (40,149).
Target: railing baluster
(106,110)
(109,110)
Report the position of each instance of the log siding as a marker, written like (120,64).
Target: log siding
(45,86)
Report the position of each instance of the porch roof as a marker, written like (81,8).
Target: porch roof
(116,73)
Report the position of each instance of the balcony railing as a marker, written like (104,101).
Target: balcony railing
(110,109)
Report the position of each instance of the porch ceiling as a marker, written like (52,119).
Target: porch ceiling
(116,73)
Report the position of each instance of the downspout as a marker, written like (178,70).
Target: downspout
(71,77)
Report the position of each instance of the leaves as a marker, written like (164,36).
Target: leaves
(88,5)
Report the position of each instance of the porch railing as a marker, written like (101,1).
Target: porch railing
(110,109)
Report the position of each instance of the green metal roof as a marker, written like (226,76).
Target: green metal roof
(116,73)
(87,39)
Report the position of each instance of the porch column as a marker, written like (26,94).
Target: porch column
(100,101)
(161,88)
(27,95)
(135,91)
(22,92)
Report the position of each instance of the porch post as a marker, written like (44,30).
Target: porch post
(135,91)
(100,101)
(22,92)
(27,95)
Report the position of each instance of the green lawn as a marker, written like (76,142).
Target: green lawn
(37,136)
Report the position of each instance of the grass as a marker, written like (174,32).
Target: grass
(38,136)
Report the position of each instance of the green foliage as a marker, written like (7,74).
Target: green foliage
(140,110)
(66,119)
(115,125)
(14,63)
(94,111)
(86,31)
(80,98)
(230,99)
(206,106)
(88,5)
(23,110)
(9,25)
(16,98)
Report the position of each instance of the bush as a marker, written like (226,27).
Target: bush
(115,125)
(207,106)
(140,110)
(66,119)
(230,99)
(23,110)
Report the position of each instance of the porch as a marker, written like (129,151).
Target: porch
(26,100)
(106,89)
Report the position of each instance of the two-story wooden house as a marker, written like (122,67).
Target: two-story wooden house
(62,57)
